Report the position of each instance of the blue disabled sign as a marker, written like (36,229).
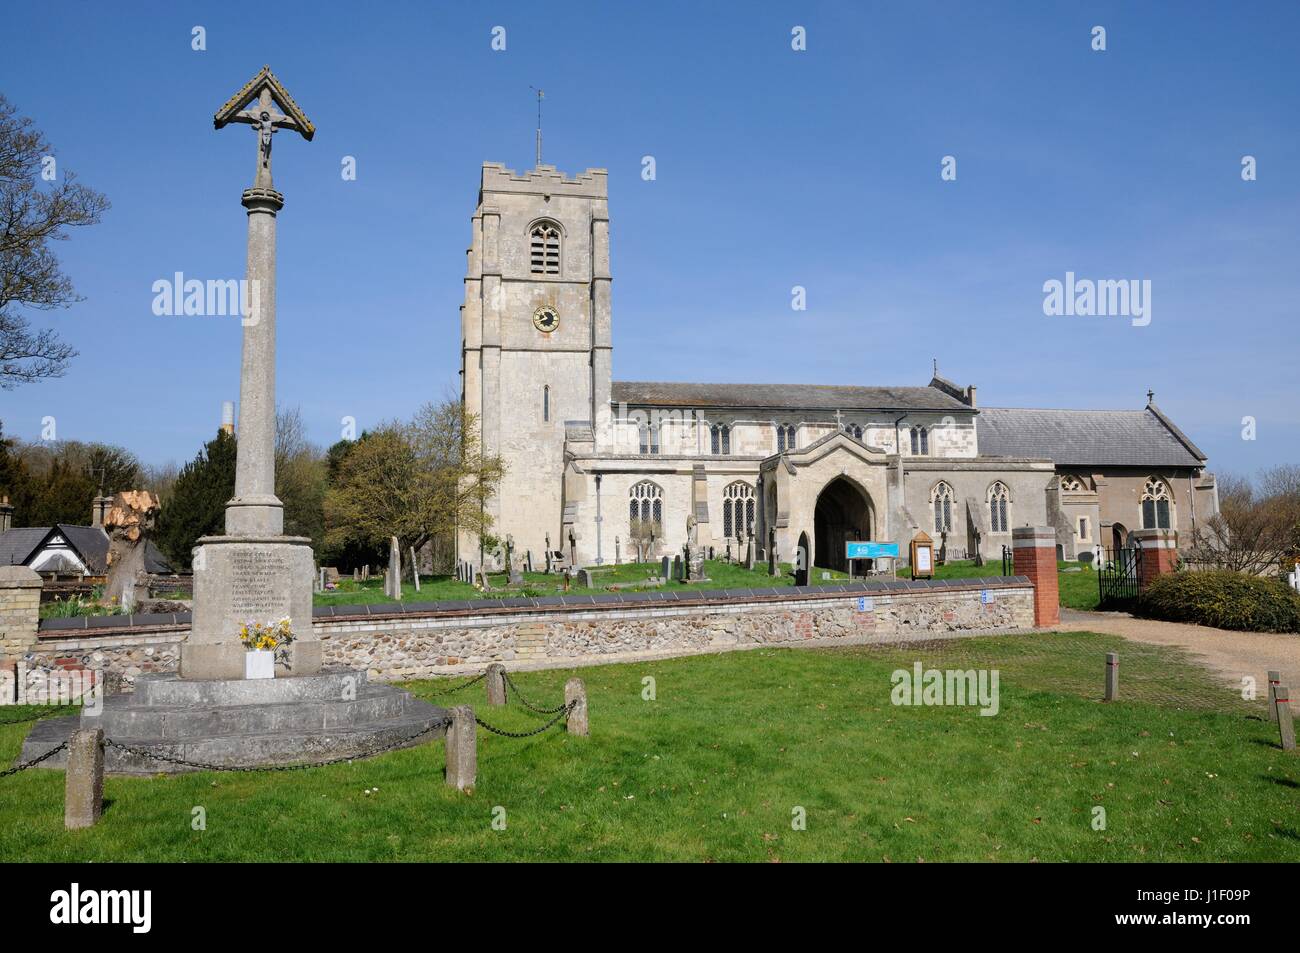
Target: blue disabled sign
(865,604)
(870,550)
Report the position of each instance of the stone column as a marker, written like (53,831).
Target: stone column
(1159,553)
(255,510)
(1034,550)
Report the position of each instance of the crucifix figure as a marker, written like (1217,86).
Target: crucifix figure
(264,119)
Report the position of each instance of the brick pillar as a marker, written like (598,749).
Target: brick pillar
(1034,549)
(1159,553)
(20,605)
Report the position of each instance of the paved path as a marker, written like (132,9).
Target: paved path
(1230,654)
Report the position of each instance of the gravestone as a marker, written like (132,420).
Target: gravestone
(677,567)
(528,561)
(749,552)
(393,579)
(665,568)
(584,579)
(773,561)
(618,556)
(253,571)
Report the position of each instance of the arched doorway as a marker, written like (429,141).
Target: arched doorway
(1118,537)
(843,513)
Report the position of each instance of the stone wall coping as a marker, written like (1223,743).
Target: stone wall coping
(180,621)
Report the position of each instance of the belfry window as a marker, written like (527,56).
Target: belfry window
(544,249)
(941,498)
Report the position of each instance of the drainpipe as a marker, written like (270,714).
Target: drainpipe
(600,560)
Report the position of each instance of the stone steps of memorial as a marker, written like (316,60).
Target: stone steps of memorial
(279,732)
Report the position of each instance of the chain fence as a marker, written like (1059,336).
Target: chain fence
(34,762)
(523,701)
(455,688)
(563,715)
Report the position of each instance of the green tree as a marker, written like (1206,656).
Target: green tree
(300,478)
(198,500)
(417,481)
(64,477)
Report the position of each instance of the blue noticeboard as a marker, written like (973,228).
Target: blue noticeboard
(986,597)
(865,604)
(870,550)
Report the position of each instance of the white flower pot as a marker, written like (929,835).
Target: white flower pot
(259,663)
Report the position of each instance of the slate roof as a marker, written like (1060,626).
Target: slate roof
(1116,438)
(17,546)
(783,396)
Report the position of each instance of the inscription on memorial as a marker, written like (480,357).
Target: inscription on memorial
(258,585)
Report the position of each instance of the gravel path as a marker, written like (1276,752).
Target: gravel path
(1231,654)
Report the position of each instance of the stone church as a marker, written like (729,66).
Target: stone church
(601,467)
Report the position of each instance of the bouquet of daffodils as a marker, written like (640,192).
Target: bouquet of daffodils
(266,636)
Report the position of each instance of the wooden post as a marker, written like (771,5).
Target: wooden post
(1112,676)
(496,684)
(1274,678)
(462,753)
(83,795)
(575,691)
(1286,726)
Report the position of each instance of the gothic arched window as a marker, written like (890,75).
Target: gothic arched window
(645,508)
(737,510)
(720,439)
(544,248)
(785,437)
(920,441)
(853,430)
(1071,483)
(1155,504)
(941,498)
(546,402)
(999,500)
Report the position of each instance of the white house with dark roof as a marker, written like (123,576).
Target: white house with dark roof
(797,465)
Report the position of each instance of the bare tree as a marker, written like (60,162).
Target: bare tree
(34,213)
(1257,528)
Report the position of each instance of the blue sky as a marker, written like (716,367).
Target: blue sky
(775,168)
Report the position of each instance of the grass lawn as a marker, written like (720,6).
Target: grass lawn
(713,768)
(1078,589)
(722,575)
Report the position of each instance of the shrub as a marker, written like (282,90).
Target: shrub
(1223,599)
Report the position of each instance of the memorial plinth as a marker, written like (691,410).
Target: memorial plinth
(249,579)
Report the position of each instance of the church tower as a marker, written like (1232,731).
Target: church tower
(535,337)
